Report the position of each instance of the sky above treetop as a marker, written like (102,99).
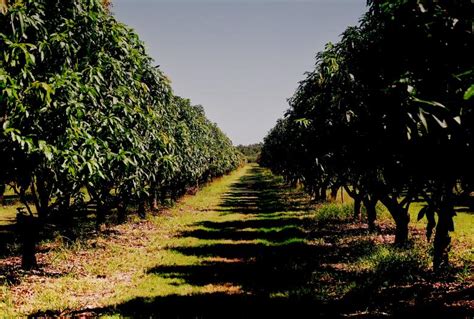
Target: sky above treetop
(241,59)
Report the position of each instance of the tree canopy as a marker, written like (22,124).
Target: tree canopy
(83,109)
(387,114)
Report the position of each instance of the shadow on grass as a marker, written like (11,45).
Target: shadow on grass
(57,231)
(283,263)
(266,254)
(8,239)
(217,305)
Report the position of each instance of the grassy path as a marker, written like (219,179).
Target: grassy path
(243,246)
(225,241)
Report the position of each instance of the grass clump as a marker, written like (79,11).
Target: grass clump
(6,303)
(390,265)
(334,212)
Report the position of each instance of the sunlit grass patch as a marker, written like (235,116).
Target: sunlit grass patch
(389,264)
(114,268)
(6,302)
(66,293)
(334,211)
(462,238)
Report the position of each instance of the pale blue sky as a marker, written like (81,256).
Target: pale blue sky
(240,59)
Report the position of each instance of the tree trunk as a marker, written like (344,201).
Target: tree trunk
(357,197)
(28,230)
(322,190)
(2,192)
(66,204)
(103,206)
(40,197)
(66,216)
(100,215)
(141,209)
(357,211)
(163,197)
(43,194)
(334,193)
(442,239)
(371,209)
(153,198)
(154,203)
(401,218)
(122,211)
(322,194)
(401,233)
(174,195)
(315,194)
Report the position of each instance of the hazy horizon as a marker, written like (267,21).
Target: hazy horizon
(240,60)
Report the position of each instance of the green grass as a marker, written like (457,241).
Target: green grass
(462,248)
(7,215)
(464,222)
(8,212)
(126,263)
(388,263)
(9,191)
(335,211)
(245,235)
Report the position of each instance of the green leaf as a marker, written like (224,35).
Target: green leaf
(423,120)
(469,93)
(303,122)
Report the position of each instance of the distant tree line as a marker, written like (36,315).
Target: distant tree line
(251,152)
(84,113)
(388,114)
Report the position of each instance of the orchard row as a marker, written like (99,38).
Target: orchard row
(86,117)
(388,114)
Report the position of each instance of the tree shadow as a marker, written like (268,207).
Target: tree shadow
(57,231)
(8,239)
(263,194)
(283,263)
(267,254)
(215,305)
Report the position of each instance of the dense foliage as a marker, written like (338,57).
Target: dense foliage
(85,113)
(388,115)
